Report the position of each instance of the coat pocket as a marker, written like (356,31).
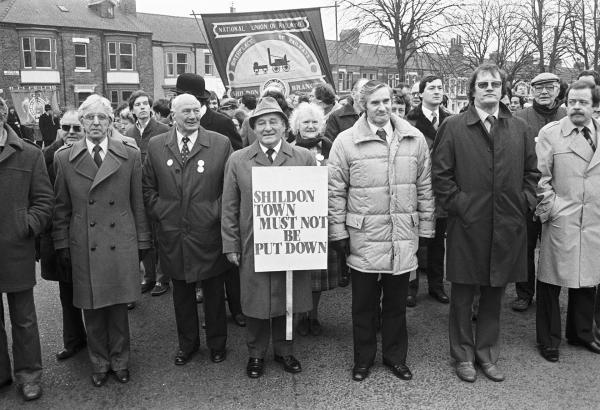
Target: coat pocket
(354,221)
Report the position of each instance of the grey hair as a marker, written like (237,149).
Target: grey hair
(70,116)
(314,110)
(181,99)
(369,89)
(96,100)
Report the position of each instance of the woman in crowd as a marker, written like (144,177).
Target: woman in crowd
(123,118)
(307,124)
(14,121)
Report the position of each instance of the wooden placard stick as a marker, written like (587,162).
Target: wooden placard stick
(289,303)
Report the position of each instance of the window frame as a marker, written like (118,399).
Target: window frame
(209,62)
(34,52)
(117,54)
(85,56)
(172,68)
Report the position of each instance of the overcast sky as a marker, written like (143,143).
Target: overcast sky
(185,7)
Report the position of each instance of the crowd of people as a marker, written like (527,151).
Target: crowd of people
(157,195)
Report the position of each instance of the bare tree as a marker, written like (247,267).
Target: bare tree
(412,25)
(584,32)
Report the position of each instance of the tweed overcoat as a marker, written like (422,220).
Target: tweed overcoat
(185,200)
(263,293)
(569,207)
(486,183)
(100,216)
(25,210)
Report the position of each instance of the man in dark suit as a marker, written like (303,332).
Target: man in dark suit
(427,117)
(183,183)
(49,124)
(144,128)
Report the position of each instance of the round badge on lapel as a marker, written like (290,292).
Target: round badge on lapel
(200,169)
(169,162)
(200,163)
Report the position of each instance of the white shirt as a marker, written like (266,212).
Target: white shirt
(483,116)
(429,114)
(141,127)
(389,130)
(103,147)
(190,143)
(276,148)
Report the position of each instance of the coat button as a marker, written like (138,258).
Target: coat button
(111,202)
(112,224)
(92,202)
(177,171)
(93,248)
(113,247)
(92,224)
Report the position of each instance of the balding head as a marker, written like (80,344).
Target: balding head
(183,99)
(187,112)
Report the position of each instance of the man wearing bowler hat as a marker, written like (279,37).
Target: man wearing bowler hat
(263,293)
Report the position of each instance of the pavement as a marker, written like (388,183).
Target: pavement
(325,381)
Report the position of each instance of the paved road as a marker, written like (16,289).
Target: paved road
(325,382)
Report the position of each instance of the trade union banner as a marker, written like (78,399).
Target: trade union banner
(283,49)
(289,218)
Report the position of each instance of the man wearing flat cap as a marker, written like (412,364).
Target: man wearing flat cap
(545,109)
(263,293)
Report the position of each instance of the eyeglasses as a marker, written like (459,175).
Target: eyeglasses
(541,87)
(68,128)
(91,117)
(483,85)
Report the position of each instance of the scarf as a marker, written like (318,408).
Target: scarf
(309,143)
(544,110)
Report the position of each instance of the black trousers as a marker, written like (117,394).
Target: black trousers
(257,337)
(108,337)
(526,290)
(186,313)
(74,334)
(232,289)
(580,315)
(365,304)
(27,353)
(484,345)
(436,250)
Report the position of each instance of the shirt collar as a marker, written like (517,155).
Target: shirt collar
(103,145)
(429,113)
(192,138)
(141,127)
(276,148)
(568,127)
(483,114)
(389,130)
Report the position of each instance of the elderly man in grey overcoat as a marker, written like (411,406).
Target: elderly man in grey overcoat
(100,229)
(25,210)
(263,293)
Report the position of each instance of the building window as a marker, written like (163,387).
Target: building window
(177,63)
(81,55)
(38,52)
(391,80)
(208,64)
(372,76)
(349,81)
(120,55)
(341,80)
(118,97)
(364,75)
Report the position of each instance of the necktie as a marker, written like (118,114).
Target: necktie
(588,137)
(185,151)
(381,134)
(270,153)
(97,157)
(434,120)
(490,121)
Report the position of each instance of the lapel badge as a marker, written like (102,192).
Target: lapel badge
(169,162)
(200,163)
(200,169)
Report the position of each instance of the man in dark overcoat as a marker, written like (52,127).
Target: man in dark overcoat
(183,184)
(484,175)
(49,125)
(100,230)
(25,211)
(263,293)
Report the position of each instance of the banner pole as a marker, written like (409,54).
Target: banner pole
(289,303)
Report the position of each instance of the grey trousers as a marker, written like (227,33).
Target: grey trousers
(482,346)
(257,337)
(27,353)
(108,337)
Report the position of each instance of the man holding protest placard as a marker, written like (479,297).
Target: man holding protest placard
(263,293)
(380,206)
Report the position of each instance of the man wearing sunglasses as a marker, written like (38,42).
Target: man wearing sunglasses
(545,109)
(484,175)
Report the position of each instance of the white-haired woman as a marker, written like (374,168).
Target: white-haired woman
(307,124)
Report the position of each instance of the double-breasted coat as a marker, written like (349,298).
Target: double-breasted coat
(486,183)
(186,202)
(569,208)
(99,215)
(263,293)
(25,210)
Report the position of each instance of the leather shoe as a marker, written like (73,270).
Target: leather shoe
(492,372)
(255,367)
(549,353)
(159,289)
(290,363)
(520,304)
(400,370)
(30,391)
(182,357)
(344,280)
(360,373)
(131,306)
(411,301)
(98,379)
(439,295)
(67,353)
(466,371)
(239,320)
(217,356)
(592,346)
(147,286)
(122,375)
